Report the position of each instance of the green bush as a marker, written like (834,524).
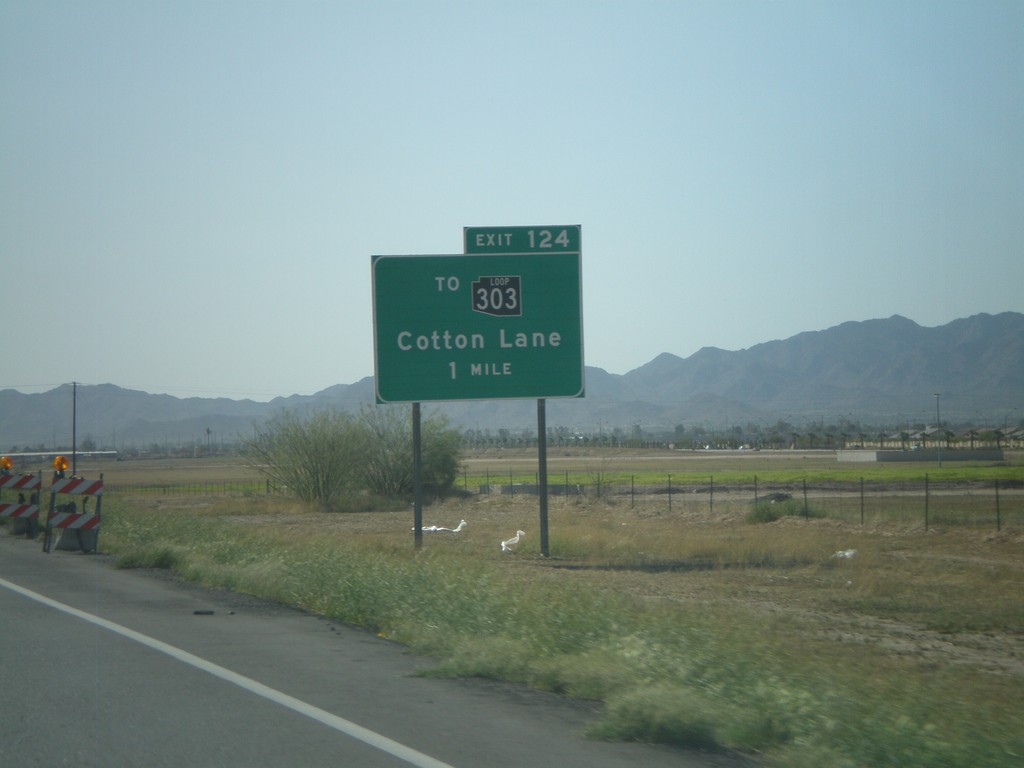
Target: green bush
(386,458)
(149,556)
(331,458)
(769,510)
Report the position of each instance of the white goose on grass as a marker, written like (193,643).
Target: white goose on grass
(508,544)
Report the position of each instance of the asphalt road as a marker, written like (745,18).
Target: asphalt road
(100,667)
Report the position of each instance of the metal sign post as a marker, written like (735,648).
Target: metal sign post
(417,477)
(542,474)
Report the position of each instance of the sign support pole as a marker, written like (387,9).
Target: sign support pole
(74,429)
(417,477)
(542,473)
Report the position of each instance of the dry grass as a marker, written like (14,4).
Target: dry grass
(908,652)
(957,590)
(748,635)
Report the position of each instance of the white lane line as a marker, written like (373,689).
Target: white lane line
(372,738)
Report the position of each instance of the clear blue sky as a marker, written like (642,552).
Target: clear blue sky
(190,192)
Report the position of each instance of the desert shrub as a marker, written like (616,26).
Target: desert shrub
(334,459)
(386,460)
(315,457)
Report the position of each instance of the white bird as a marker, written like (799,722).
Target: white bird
(506,546)
(844,554)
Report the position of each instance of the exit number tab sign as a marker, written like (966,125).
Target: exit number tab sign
(543,239)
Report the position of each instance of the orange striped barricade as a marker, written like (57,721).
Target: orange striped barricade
(76,530)
(24,515)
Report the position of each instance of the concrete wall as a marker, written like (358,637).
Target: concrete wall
(922,454)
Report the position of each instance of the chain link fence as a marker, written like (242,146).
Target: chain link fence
(924,502)
(228,488)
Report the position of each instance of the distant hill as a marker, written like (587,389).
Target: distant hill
(879,372)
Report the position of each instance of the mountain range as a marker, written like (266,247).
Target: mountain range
(882,372)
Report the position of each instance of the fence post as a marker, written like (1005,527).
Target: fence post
(862,501)
(926,501)
(632,491)
(998,520)
(755,490)
(711,497)
(807,512)
(670,493)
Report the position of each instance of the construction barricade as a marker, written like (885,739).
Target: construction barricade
(23,513)
(75,529)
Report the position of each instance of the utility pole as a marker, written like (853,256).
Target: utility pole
(74,428)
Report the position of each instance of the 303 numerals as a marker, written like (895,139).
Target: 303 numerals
(499,295)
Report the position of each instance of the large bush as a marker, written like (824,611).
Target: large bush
(328,455)
(387,461)
(315,457)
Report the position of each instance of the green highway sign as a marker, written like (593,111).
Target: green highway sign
(481,327)
(551,239)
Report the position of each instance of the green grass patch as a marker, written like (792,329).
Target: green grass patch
(770,510)
(150,556)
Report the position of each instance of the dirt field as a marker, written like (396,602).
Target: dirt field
(168,471)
